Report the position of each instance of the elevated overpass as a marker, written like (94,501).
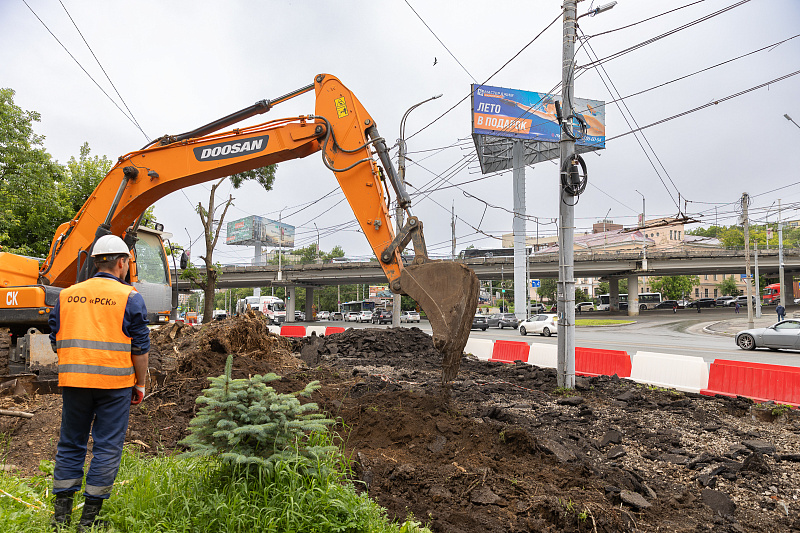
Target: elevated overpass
(610,265)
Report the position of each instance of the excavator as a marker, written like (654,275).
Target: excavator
(340,129)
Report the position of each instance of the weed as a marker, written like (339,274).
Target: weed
(563,391)
(780,410)
(583,515)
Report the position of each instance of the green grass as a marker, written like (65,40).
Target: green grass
(601,322)
(172,494)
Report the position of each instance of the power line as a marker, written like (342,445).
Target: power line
(590,52)
(770,46)
(440,42)
(487,79)
(647,19)
(104,70)
(662,36)
(83,69)
(715,102)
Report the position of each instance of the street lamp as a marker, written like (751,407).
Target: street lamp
(791,120)
(401,169)
(599,9)
(280,242)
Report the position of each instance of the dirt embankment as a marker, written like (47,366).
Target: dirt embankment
(508,451)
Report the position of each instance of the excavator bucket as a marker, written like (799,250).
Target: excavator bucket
(448,293)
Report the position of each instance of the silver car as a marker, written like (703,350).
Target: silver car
(784,335)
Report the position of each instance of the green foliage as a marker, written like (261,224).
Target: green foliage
(547,289)
(178,495)
(245,422)
(31,206)
(674,287)
(581,296)
(83,176)
(727,287)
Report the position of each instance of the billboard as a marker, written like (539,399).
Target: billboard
(380,291)
(254,230)
(528,115)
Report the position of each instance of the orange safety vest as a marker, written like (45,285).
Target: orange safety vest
(92,349)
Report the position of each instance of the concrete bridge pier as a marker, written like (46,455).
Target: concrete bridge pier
(613,294)
(309,303)
(633,295)
(290,304)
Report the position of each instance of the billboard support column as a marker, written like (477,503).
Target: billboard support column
(566,260)
(517,152)
(289,306)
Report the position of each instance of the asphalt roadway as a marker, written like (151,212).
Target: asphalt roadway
(708,334)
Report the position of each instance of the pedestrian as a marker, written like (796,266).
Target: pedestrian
(674,307)
(736,307)
(99,331)
(781,312)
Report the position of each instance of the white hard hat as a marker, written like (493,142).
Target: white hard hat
(110,245)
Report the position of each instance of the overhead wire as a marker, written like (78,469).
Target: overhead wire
(487,79)
(440,41)
(136,122)
(652,40)
(84,70)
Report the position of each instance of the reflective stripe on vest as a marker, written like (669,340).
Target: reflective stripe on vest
(93,351)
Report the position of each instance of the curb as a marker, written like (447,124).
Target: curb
(707,329)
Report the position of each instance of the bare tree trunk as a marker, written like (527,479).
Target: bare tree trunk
(211,238)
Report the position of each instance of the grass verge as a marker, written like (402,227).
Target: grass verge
(601,322)
(172,494)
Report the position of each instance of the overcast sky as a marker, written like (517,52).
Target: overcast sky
(181,64)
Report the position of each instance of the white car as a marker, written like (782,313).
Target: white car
(364,316)
(323,315)
(545,325)
(409,316)
(352,316)
(584,306)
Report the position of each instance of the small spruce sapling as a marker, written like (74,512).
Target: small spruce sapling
(245,422)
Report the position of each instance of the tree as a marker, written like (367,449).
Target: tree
(727,287)
(30,206)
(211,227)
(83,176)
(581,296)
(674,287)
(547,289)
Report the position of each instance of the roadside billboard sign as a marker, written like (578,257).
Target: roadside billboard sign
(501,115)
(531,115)
(253,230)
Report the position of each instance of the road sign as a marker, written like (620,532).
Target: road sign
(535,283)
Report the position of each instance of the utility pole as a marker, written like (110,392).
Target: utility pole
(644,242)
(565,370)
(453,228)
(783,288)
(758,282)
(746,222)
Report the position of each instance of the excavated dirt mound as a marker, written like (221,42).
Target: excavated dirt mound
(507,451)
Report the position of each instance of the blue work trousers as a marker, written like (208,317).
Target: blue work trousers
(104,412)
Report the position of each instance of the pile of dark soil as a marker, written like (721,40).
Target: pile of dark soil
(507,450)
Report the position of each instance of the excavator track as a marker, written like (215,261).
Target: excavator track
(5,349)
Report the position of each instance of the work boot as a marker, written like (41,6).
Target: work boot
(89,520)
(63,510)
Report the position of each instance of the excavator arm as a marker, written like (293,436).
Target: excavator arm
(348,139)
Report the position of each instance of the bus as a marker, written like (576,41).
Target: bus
(357,305)
(647,300)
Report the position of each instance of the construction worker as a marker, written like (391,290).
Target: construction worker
(99,330)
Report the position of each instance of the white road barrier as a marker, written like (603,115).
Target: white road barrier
(319,329)
(543,355)
(681,372)
(480,348)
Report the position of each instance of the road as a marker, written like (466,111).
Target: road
(654,331)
